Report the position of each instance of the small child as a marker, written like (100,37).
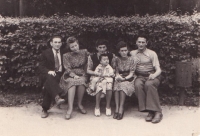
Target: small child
(104,73)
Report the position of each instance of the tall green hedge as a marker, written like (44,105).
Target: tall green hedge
(174,38)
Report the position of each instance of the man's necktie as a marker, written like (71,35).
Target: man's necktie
(57,65)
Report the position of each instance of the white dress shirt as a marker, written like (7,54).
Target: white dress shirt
(59,58)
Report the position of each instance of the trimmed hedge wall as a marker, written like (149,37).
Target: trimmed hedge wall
(174,38)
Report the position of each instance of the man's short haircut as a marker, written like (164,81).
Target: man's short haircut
(101,42)
(55,36)
(102,55)
(142,35)
(71,40)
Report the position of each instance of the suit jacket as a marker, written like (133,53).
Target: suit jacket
(47,63)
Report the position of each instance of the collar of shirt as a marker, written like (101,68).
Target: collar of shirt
(145,52)
(54,51)
(103,66)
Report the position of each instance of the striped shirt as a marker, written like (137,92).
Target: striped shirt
(148,60)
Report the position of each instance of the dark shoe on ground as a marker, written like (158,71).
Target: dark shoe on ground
(150,116)
(157,118)
(115,115)
(120,116)
(44,114)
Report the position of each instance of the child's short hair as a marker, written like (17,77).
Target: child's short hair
(102,55)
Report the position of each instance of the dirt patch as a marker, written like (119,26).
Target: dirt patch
(14,99)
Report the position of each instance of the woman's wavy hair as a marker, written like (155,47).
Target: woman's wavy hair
(71,40)
(122,44)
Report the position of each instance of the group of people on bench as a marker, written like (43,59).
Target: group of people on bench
(65,73)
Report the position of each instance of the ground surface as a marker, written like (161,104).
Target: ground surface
(26,121)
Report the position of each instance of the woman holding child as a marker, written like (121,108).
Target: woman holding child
(124,78)
(101,80)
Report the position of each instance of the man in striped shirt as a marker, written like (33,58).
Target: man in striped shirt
(148,79)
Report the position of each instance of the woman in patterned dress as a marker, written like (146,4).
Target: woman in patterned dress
(74,77)
(124,79)
(93,62)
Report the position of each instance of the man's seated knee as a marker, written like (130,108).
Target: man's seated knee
(152,82)
(138,83)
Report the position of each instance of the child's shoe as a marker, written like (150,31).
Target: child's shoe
(108,112)
(97,112)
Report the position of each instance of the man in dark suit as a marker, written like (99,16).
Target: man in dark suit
(51,70)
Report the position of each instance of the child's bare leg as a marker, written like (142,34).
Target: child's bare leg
(98,100)
(108,98)
(117,101)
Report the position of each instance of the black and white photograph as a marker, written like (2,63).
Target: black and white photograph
(99,67)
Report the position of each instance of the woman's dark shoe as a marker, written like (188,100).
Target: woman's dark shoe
(115,115)
(120,116)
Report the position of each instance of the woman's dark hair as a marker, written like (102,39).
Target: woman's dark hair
(71,40)
(101,42)
(102,55)
(120,45)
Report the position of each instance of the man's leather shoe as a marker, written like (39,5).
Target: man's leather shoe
(59,101)
(115,115)
(157,118)
(150,116)
(44,114)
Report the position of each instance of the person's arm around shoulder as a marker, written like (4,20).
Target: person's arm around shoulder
(90,67)
(133,53)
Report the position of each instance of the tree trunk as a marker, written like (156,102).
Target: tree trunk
(198,5)
(21,8)
(173,4)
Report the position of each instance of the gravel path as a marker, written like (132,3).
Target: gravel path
(26,121)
